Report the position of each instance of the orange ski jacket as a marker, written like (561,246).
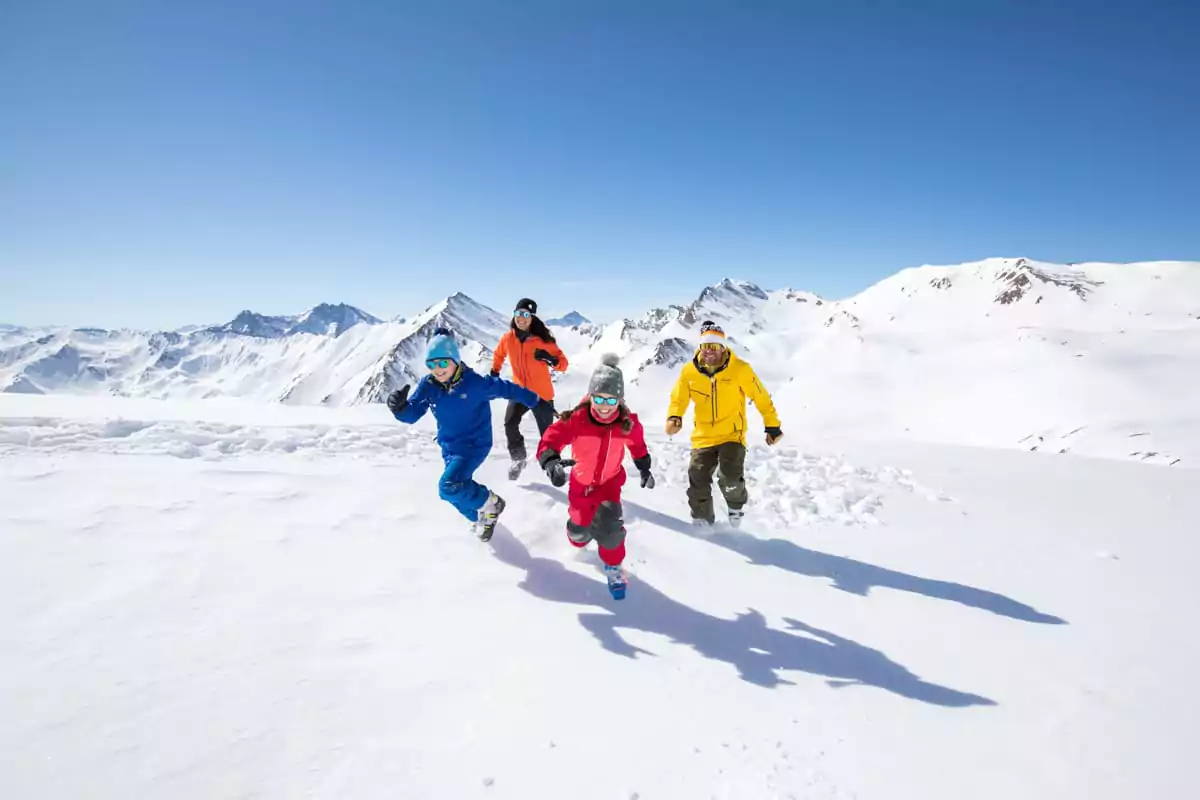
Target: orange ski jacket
(527,370)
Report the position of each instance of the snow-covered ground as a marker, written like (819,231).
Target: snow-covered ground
(222,599)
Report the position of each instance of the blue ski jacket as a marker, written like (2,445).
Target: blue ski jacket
(462,408)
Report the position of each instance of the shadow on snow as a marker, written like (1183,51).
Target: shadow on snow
(745,642)
(847,574)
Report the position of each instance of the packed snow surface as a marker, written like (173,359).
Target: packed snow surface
(230,599)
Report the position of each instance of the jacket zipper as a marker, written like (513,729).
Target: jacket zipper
(714,398)
(521,378)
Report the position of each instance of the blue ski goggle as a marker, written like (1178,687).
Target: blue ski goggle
(439,363)
(522,313)
(605,401)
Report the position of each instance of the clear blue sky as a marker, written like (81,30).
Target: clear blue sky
(171,162)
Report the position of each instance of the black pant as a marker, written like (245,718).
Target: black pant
(730,460)
(607,528)
(543,414)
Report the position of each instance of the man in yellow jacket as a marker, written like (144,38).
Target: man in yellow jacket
(719,382)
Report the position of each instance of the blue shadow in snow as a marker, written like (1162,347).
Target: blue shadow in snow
(755,650)
(847,574)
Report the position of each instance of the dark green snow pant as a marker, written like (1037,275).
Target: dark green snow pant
(728,460)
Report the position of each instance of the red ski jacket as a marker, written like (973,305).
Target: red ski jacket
(597,448)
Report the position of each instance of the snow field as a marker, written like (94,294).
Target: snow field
(286,609)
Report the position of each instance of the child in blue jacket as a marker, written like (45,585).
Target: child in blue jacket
(461,402)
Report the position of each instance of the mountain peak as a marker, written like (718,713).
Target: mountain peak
(731,290)
(569,320)
(463,314)
(463,299)
(1018,279)
(729,299)
(327,318)
(251,323)
(322,319)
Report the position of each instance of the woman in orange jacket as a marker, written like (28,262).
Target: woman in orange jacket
(531,352)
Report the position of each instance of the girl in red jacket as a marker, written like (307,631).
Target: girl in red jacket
(598,431)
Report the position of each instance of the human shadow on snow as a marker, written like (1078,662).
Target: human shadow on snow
(755,650)
(847,574)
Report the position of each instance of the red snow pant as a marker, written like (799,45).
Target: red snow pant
(595,513)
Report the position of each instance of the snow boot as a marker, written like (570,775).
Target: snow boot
(616,581)
(515,469)
(736,515)
(485,525)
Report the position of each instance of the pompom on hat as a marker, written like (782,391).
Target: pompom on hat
(607,378)
(442,345)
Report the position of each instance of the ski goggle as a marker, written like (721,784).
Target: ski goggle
(523,313)
(605,401)
(711,346)
(439,363)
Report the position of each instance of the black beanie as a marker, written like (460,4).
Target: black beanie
(527,304)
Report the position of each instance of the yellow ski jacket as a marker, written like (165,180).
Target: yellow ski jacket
(720,400)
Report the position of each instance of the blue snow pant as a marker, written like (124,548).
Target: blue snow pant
(457,486)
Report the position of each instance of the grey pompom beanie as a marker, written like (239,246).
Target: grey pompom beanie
(607,378)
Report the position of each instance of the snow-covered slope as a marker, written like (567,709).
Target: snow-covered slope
(278,605)
(1094,359)
(477,329)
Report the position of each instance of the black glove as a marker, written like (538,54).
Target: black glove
(495,373)
(555,467)
(643,466)
(773,435)
(546,357)
(398,400)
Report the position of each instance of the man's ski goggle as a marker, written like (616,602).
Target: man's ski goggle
(522,313)
(439,363)
(605,401)
(711,346)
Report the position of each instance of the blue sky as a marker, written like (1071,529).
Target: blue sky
(164,163)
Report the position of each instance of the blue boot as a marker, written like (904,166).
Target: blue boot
(616,581)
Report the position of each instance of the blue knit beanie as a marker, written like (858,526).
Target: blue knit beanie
(442,345)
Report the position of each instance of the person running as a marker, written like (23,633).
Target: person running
(531,352)
(460,399)
(599,431)
(718,382)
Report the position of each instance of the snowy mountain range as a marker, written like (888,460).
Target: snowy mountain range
(1013,352)
(323,319)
